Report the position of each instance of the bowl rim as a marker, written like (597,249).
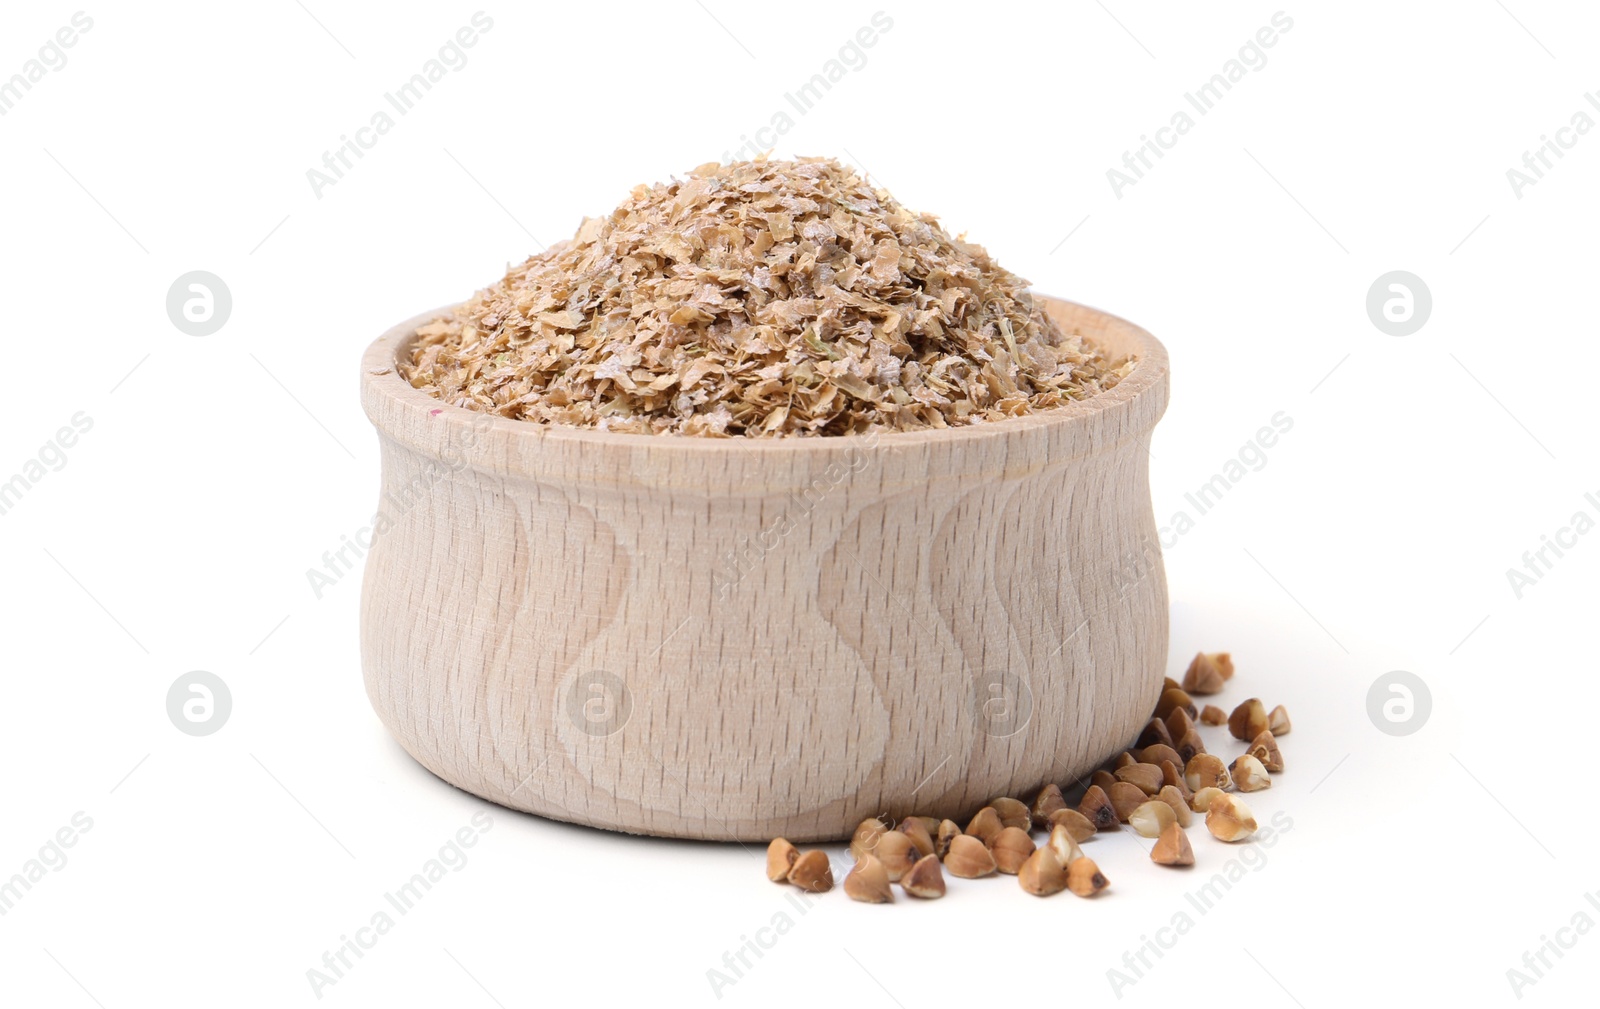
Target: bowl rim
(381,381)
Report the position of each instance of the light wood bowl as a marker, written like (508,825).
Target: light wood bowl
(737,640)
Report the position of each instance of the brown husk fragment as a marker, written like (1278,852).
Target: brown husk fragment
(914,828)
(969,858)
(1248,774)
(1172,847)
(1265,749)
(868,882)
(1248,720)
(1179,722)
(1228,818)
(1097,809)
(1202,799)
(1206,673)
(1011,847)
(985,824)
(1147,777)
(1064,844)
(1206,770)
(1076,824)
(780,859)
(757,299)
(1125,798)
(865,839)
(1152,817)
(812,872)
(1043,874)
(1157,753)
(1174,797)
(1085,879)
(1048,802)
(896,851)
(1191,745)
(1278,721)
(1172,777)
(925,880)
(1013,812)
(1174,700)
(1155,731)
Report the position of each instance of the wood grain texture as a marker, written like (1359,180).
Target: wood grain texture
(737,640)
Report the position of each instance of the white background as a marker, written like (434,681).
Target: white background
(219,469)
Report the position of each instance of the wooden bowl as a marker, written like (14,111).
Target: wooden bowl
(737,640)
